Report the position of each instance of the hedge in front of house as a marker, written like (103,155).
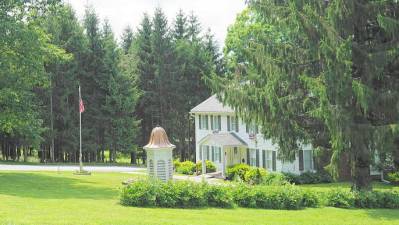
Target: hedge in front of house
(363,199)
(274,197)
(184,194)
(189,168)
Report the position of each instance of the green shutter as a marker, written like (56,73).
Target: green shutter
(212,125)
(200,153)
(228,123)
(207,153)
(257,158)
(199,122)
(236,118)
(206,122)
(248,157)
(219,123)
(213,153)
(300,158)
(220,154)
(274,160)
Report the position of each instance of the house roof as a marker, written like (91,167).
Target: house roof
(212,104)
(224,139)
(158,139)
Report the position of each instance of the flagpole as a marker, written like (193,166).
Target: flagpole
(80,135)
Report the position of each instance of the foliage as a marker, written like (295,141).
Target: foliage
(237,172)
(394,177)
(186,167)
(273,197)
(320,81)
(275,179)
(255,175)
(309,177)
(175,194)
(210,166)
(340,198)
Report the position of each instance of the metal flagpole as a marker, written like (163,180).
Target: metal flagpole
(80,134)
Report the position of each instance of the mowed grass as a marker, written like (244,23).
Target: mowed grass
(63,198)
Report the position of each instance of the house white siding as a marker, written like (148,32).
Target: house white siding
(257,144)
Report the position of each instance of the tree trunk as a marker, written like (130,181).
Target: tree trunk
(133,159)
(361,160)
(25,154)
(396,154)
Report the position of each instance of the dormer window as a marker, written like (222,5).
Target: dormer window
(216,122)
(232,123)
(203,122)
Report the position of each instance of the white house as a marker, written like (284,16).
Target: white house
(226,140)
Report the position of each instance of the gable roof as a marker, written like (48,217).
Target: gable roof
(212,104)
(224,139)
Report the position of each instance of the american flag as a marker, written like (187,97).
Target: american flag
(81,106)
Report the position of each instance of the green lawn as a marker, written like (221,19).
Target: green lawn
(63,198)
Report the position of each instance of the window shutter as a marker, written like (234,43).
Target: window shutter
(236,118)
(246,128)
(248,157)
(206,122)
(300,160)
(274,160)
(228,123)
(264,159)
(200,153)
(220,154)
(257,157)
(207,153)
(212,125)
(219,123)
(213,154)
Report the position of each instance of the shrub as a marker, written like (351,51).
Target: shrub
(210,166)
(219,196)
(255,175)
(186,167)
(140,193)
(237,171)
(275,179)
(176,163)
(340,198)
(273,197)
(309,178)
(377,199)
(394,177)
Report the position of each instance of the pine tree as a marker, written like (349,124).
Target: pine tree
(127,39)
(322,70)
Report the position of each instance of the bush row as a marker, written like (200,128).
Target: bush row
(394,177)
(189,168)
(185,194)
(255,175)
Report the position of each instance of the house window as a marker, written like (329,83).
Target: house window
(269,160)
(215,122)
(232,123)
(203,122)
(218,154)
(305,160)
(204,152)
(251,129)
(252,157)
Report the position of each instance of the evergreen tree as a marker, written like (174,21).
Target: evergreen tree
(323,70)
(127,39)
(62,99)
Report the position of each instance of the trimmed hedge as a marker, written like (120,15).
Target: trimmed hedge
(182,194)
(185,194)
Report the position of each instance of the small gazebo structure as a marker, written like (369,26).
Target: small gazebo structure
(159,155)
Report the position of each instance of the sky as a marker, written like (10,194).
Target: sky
(214,14)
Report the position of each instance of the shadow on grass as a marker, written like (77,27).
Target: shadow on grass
(383,214)
(42,186)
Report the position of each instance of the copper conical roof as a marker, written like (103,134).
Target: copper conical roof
(159,139)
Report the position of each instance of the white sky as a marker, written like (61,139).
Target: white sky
(214,14)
